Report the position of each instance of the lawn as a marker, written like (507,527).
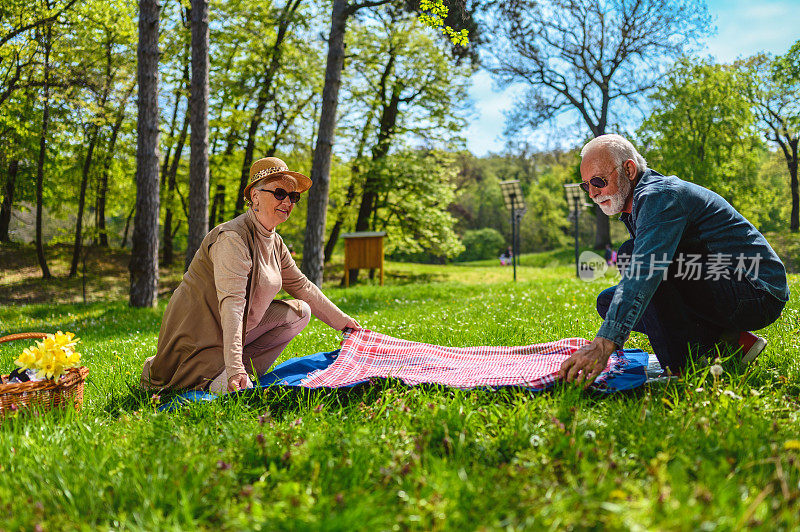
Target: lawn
(698,453)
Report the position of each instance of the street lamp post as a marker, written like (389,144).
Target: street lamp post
(514,200)
(574,194)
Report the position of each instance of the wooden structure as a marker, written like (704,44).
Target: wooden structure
(362,250)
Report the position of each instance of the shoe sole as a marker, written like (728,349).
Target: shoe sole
(755,350)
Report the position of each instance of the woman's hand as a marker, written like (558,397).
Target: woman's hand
(351,324)
(240,381)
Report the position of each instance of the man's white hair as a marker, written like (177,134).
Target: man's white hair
(619,148)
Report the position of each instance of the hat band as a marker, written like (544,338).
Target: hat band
(267,171)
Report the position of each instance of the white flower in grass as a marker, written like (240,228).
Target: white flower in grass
(732,395)
(716,370)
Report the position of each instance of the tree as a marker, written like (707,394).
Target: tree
(8,199)
(47,45)
(588,57)
(321,165)
(144,255)
(95,29)
(412,85)
(19,21)
(776,102)
(102,188)
(479,244)
(198,165)
(437,15)
(413,210)
(702,130)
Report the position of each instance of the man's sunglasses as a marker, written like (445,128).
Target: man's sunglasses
(596,182)
(281,194)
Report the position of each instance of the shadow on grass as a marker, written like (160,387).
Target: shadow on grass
(284,401)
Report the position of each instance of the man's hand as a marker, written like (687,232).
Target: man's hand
(238,382)
(352,324)
(588,362)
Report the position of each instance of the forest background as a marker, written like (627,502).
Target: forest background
(68,118)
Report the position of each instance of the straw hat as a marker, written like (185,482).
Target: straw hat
(272,167)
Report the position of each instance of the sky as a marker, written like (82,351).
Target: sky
(744,27)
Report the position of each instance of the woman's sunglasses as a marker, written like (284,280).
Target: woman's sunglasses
(281,194)
(596,182)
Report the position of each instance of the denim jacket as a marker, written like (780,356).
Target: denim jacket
(670,216)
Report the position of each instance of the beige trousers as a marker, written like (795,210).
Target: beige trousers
(282,321)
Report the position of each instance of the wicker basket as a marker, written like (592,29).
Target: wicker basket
(43,395)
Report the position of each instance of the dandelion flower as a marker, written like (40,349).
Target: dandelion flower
(716,370)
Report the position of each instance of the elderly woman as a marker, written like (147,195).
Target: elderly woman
(223,320)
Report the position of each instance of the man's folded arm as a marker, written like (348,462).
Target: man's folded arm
(660,222)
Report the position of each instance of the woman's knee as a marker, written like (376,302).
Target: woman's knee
(304,314)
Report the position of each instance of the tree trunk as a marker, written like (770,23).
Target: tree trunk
(144,255)
(386,129)
(87,164)
(198,158)
(127,226)
(355,172)
(387,126)
(602,235)
(313,259)
(794,220)
(249,149)
(602,227)
(217,208)
(42,153)
(102,189)
(172,122)
(8,200)
(172,173)
(264,92)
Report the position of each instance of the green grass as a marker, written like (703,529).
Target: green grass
(687,455)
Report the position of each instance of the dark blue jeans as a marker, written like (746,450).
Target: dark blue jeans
(686,315)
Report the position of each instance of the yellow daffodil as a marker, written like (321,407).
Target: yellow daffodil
(51,357)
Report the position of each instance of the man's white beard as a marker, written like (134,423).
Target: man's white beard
(617,200)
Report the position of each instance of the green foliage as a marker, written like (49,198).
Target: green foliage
(434,13)
(412,205)
(479,201)
(787,66)
(486,243)
(702,129)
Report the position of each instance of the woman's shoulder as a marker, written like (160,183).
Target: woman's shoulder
(234,224)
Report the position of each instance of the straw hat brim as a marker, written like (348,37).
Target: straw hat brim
(303,182)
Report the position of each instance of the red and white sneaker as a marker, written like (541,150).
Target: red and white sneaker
(751,345)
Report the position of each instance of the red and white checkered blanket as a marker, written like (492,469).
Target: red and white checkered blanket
(366,354)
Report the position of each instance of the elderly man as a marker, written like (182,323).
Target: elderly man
(694,273)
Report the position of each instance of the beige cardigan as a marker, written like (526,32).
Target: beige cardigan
(212,310)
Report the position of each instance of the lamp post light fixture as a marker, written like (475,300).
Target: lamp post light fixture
(515,203)
(574,195)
